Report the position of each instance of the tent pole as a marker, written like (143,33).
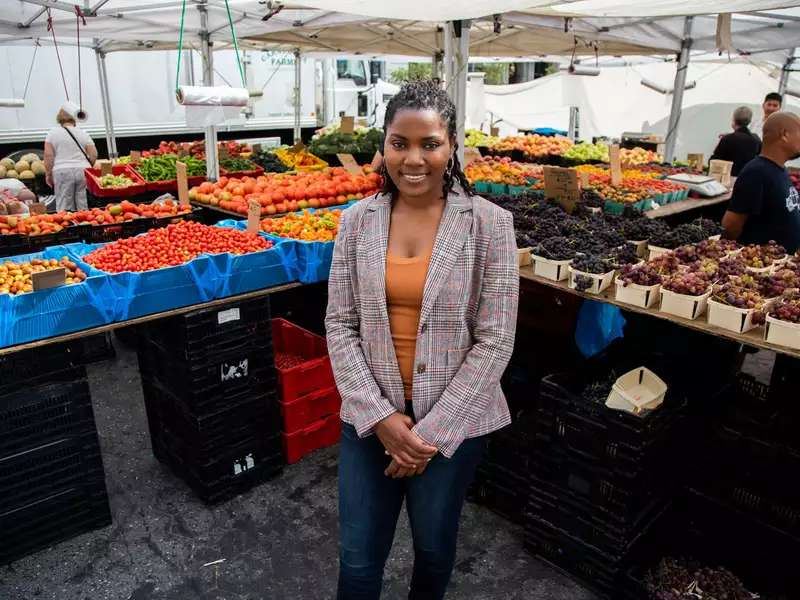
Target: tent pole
(188,60)
(297,74)
(212,156)
(677,91)
(456,62)
(328,92)
(784,80)
(102,74)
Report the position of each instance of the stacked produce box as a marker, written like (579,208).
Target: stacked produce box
(51,471)
(309,399)
(599,478)
(209,389)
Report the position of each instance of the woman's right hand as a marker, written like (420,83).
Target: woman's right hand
(405,446)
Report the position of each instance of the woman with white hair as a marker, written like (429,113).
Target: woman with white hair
(741,146)
(68,150)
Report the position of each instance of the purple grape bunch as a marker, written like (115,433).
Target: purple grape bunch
(642,274)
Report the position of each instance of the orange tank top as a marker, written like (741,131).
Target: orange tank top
(405,282)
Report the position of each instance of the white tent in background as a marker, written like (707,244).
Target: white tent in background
(615,101)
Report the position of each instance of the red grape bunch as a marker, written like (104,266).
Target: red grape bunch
(787,308)
(690,283)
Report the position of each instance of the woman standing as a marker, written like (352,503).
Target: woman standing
(421,315)
(68,150)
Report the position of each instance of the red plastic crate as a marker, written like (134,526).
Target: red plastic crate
(171,185)
(93,182)
(323,433)
(313,375)
(301,413)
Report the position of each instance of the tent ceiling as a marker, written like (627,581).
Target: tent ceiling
(529,27)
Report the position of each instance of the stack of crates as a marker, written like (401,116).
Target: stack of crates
(599,478)
(501,479)
(210,394)
(743,460)
(52,485)
(309,399)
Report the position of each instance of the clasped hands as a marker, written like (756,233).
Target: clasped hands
(410,455)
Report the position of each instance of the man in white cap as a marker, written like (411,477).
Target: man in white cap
(68,150)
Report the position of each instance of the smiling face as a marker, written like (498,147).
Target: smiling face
(417,152)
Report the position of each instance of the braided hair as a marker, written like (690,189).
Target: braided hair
(426,94)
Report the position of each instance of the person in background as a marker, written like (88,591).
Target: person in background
(772,104)
(68,150)
(741,146)
(765,205)
(422,305)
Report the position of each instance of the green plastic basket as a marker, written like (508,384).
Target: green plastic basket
(482,187)
(517,190)
(498,188)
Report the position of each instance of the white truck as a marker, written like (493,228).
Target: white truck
(142,84)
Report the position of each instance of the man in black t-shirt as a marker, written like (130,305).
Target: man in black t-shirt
(741,146)
(765,205)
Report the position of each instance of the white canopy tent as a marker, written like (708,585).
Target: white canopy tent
(514,28)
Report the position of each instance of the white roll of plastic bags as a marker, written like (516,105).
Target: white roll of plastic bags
(211,105)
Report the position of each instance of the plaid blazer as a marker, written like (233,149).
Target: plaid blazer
(466,327)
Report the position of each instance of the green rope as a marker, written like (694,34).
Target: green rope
(235,43)
(180,48)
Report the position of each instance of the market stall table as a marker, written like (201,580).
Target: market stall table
(146,319)
(753,337)
(687,205)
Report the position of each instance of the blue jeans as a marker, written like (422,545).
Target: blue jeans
(370,502)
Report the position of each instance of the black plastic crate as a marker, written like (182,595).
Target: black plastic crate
(14,245)
(234,322)
(68,235)
(501,494)
(512,447)
(204,433)
(610,532)
(37,415)
(205,384)
(590,566)
(623,492)
(593,439)
(711,535)
(39,472)
(231,472)
(50,362)
(55,518)
(109,232)
(593,426)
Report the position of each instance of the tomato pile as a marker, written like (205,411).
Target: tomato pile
(127,211)
(319,226)
(287,192)
(172,245)
(286,360)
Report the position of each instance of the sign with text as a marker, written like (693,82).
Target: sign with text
(721,171)
(183,182)
(37,208)
(348,125)
(106,167)
(298,147)
(222,152)
(562,185)
(616,165)
(584,177)
(349,163)
(494,131)
(136,157)
(49,279)
(253,216)
(256,148)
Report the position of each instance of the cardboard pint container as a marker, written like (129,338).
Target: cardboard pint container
(644,296)
(683,305)
(637,392)
(599,282)
(555,270)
